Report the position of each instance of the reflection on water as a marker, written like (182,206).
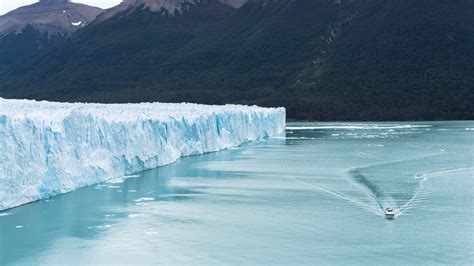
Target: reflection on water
(316,196)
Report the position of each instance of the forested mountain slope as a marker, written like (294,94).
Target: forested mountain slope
(321,59)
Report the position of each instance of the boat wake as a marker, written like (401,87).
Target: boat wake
(396,196)
(403,194)
(398,184)
(348,199)
(422,192)
(375,191)
(385,192)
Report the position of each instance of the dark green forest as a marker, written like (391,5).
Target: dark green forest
(357,60)
(15,47)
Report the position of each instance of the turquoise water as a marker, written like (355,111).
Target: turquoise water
(316,196)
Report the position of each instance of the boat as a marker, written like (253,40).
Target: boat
(389,213)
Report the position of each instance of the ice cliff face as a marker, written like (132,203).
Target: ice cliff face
(51,148)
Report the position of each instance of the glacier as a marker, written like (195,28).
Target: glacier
(48,148)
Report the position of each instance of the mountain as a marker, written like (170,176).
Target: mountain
(234,3)
(172,7)
(321,59)
(28,29)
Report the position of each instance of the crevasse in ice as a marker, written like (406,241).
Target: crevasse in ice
(51,148)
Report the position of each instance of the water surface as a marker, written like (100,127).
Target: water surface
(316,196)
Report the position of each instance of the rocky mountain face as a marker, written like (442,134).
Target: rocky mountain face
(28,29)
(170,7)
(321,59)
(234,3)
(51,16)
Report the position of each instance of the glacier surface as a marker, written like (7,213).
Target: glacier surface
(50,148)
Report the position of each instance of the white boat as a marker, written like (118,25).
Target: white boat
(389,213)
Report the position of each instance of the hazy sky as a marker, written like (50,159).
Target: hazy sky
(8,5)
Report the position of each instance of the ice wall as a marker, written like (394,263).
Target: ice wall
(51,148)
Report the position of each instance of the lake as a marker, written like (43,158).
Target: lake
(314,197)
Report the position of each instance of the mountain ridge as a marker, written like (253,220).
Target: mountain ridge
(172,7)
(52,16)
(29,29)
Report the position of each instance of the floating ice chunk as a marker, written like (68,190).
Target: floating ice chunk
(356,126)
(116,181)
(299,138)
(136,215)
(144,199)
(49,148)
(131,176)
(104,226)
